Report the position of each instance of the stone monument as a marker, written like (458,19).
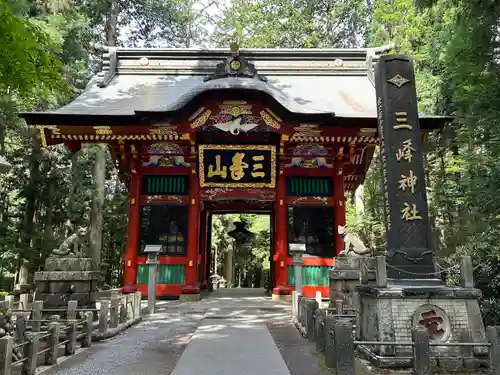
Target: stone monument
(69,275)
(409,291)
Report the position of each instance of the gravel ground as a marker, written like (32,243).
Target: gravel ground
(299,354)
(150,348)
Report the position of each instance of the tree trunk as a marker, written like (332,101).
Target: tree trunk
(72,214)
(111,28)
(96,216)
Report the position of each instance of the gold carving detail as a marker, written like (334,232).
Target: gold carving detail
(53,128)
(237,167)
(269,120)
(406,152)
(201,120)
(307,130)
(398,80)
(163,130)
(103,130)
(235,110)
(402,120)
(196,114)
(410,212)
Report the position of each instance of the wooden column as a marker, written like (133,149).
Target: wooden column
(203,249)
(339,199)
(280,222)
(193,232)
(134,213)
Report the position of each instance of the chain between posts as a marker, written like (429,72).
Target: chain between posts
(443,270)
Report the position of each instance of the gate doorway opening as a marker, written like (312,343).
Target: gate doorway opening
(241,248)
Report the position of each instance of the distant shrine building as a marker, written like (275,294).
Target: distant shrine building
(197,132)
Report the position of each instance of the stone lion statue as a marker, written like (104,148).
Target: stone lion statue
(71,245)
(358,248)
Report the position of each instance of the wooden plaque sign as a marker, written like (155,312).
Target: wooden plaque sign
(245,166)
(405,203)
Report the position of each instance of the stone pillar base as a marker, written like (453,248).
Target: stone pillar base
(190,297)
(451,315)
(190,293)
(67,279)
(282,297)
(346,276)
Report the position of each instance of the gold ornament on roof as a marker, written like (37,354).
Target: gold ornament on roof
(164,130)
(235,65)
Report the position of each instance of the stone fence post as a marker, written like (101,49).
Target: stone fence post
(113,312)
(88,328)
(130,306)
(71,312)
(466,272)
(493,334)
(123,309)
(343,347)
(328,340)
(52,344)
(6,347)
(103,316)
(70,347)
(421,351)
(311,307)
(37,316)
(29,365)
(381,271)
(20,328)
(137,304)
(319,322)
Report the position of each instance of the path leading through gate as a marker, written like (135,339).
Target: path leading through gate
(233,331)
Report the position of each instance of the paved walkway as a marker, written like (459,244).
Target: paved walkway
(223,334)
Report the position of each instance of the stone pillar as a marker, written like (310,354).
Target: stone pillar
(152,263)
(422,359)
(298,251)
(409,249)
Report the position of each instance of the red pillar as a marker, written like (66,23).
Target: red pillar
(281,250)
(339,198)
(193,235)
(203,249)
(130,258)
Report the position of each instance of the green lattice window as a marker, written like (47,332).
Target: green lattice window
(309,186)
(311,275)
(165,185)
(170,274)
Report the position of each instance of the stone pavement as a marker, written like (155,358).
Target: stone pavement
(224,334)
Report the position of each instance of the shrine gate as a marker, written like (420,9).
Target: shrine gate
(285,132)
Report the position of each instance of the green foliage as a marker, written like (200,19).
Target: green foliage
(254,257)
(28,60)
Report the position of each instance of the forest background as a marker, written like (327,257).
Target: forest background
(48,54)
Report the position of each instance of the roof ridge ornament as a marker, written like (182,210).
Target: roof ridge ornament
(235,66)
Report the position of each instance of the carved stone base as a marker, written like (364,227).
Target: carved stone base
(451,315)
(346,276)
(67,279)
(190,297)
(282,297)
